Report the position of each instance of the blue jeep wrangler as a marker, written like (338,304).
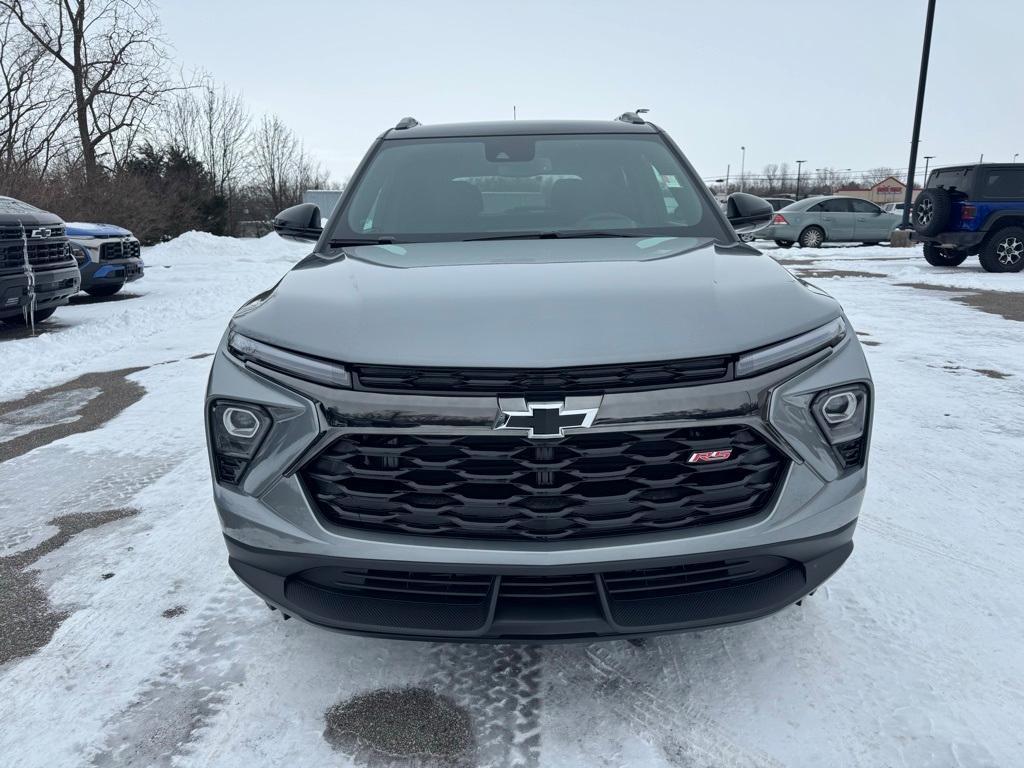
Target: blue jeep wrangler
(973,209)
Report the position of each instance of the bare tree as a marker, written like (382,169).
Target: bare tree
(771,177)
(784,181)
(31,115)
(214,125)
(875,175)
(114,61)
(281,167)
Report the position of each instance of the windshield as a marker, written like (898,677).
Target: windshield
(491,187)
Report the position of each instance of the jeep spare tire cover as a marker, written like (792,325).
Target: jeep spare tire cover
(931,211)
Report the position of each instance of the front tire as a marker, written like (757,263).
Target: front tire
(812,237)
(104,290)
(1004,251)
(939,257)
(784,243)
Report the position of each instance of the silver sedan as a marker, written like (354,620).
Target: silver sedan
(818,220)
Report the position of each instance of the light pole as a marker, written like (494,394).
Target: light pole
(915,138)
(927,159)
(743,165)
(799,163)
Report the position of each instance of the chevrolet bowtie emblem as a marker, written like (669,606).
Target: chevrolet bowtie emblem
(546,420)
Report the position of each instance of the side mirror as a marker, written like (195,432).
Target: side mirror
(748,213)
(300,222)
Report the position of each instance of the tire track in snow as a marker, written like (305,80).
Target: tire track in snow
(190,690)
(499,685)
(929,545)
(688,735)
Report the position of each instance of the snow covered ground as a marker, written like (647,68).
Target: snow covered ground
(125,641)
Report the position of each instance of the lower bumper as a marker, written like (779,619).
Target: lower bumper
(541,604)
(52,288)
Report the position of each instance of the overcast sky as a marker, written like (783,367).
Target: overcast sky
(832,83)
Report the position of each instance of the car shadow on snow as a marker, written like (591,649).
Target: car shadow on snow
(84,298)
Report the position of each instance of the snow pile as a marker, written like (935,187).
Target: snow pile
(195,281)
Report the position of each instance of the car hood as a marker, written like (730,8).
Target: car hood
(535,303)
(14,212)
(84,229)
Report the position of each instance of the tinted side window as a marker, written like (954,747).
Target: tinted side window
(863,206)
(831,206)
(1002,183)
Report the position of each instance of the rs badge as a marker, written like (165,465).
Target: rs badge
(706,457)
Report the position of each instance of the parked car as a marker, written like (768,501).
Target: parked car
(595,416)
(969,210)
(777,203)
(37,271)
(829,218)
(896,208)
(108,257)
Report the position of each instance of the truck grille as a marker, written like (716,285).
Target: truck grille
(508,381)
(120,249)
(499,487)
(42,253)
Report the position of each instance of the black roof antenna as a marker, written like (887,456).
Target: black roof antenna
(406,122)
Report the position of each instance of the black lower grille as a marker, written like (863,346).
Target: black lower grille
(509,604)
(505,487)
(42,253)
(680,580)
(510,381)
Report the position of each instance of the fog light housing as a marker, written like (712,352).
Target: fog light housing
(236,432)
(842,416)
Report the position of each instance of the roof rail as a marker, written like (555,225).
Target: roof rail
(632,117)
(407,122)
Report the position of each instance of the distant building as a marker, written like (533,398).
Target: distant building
(888,190)
(326,199)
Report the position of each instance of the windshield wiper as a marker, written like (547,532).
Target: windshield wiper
(570,235)
(341,242)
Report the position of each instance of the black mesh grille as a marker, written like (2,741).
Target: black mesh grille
(498,487)
(851,452)
(42,252)
(499,381)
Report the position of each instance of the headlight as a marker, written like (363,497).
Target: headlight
(81,254)
(236,431)
(300,366)
(777,355)
(842,416)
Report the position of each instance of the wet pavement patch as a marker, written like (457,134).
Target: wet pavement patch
(79,405)
(1003,303)
(11,331)
(27,620)
(171,613)
(401,727)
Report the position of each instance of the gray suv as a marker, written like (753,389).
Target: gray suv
(529,385)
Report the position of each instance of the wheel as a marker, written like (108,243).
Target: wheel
(784,243)
(930,214)
(812,237)
(41,314)
(747,238)
(1004,251)
(104,290)
(940,257)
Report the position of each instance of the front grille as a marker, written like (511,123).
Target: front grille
(404,585)
(120,249)
(14,233)
(42,253)
(506,487)
(510,381)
